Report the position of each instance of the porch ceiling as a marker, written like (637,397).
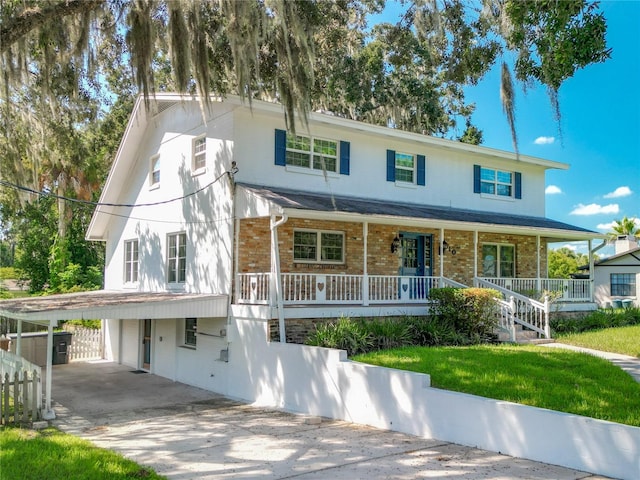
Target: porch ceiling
(351,208)
(114,304)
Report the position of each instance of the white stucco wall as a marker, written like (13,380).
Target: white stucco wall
(130,341)
(602,280)
(323,382)
(449,173)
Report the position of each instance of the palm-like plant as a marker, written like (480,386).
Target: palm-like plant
(626,226)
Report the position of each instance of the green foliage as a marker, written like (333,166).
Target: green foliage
(431,331)
(95,324)
(555,379)
(344,334)
(54,455)
(623,340)
(598,319)
(470,311)
(9,273)
(564,261)
(389,332)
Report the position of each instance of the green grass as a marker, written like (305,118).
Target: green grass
(53,455)
(624,340)
(555,379)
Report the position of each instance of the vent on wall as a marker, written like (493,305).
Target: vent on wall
(159,107)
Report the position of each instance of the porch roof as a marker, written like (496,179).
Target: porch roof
(398,212)
(114,304)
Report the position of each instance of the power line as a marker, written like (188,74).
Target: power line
(22,188)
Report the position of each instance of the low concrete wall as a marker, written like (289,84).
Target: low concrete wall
(319,381)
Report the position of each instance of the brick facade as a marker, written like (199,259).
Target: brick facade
(254,249)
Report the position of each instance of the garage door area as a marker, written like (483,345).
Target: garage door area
(186,433)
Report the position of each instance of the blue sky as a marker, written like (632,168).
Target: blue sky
(600,124)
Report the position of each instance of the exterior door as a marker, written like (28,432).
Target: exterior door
(415,263)
(146,344)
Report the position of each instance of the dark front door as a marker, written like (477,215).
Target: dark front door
(416,262)
(146,345)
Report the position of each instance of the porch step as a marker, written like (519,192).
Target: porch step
(524,337)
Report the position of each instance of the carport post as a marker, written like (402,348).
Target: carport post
(49,414)
(19,338)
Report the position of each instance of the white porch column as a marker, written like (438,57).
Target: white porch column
(592,269)
(49,414)
(441,255)
(365,272)
(475,255)
(276,285)
(538,264)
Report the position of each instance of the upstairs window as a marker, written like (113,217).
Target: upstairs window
(623,284)
(131,261)
(199,157)
(177,258)
(406,168)
(154,171)
(313,153)
(318,247)
(316,154)
(499,183)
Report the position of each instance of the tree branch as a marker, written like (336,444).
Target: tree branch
(13,29)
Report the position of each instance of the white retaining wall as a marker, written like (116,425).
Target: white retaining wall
(319,381)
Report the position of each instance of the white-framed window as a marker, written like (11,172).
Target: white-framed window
(190,332)
(405,167)
(312,246)
(312,153)
(623,284)
(176,257)
(199,154)
(496,182)
(131,264)
(498,260)
(154,171)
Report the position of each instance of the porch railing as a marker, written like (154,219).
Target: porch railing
(316,288)
(568,290)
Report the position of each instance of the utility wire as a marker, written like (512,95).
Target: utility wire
(106,204)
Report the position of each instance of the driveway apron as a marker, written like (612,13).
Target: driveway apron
(184,432)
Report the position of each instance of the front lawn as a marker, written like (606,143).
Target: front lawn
(53,455)
(624,340)
(559,380)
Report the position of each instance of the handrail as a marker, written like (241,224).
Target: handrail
(526,311)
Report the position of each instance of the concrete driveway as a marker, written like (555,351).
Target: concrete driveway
(187,433)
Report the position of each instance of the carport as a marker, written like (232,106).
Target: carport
(101,304)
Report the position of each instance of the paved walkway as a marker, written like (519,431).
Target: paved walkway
(188,433)
(629,364)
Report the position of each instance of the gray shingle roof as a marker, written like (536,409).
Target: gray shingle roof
(295,199)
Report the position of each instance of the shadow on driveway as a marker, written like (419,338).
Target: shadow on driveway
(185,432)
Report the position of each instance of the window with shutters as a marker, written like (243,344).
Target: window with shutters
(492,182)
(406,169)
(313,153)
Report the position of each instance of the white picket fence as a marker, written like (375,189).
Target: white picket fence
(20,390)
(86,344)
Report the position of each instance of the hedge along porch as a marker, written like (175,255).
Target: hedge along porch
(344,252)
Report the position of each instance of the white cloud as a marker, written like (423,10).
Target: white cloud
(552,190)
(619,192)
(609,226)
(544,140)
(595,209)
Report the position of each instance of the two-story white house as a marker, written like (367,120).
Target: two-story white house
(225,216)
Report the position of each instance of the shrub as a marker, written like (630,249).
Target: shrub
(598,319)
(345,334)
(388,332)
(470,311)
(431,332)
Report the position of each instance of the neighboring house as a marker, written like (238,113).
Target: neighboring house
(344,219)
(617,278)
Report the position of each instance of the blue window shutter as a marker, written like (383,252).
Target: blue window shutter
(476,179)
(345,153)
(421,170)
(391,166)
(518,191)
(281,147)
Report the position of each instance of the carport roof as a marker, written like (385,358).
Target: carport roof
(114,304)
